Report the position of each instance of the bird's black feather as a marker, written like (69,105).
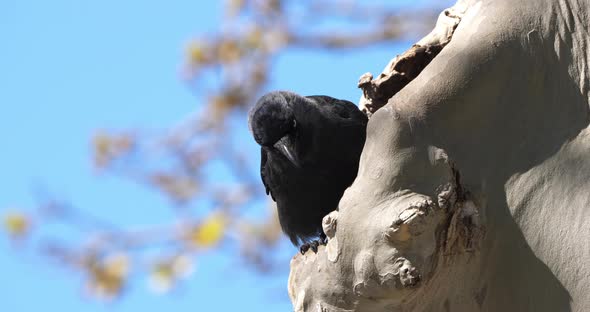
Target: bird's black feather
(310,149)
(262,170)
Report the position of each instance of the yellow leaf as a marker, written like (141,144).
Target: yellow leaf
(228,51)
(162,277)
(107,278)
(117,265)
(197,53)
(165,273)
(17,224)
(208,233)
(107,147)
(254,38)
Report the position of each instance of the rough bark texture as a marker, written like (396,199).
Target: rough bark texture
(473,192)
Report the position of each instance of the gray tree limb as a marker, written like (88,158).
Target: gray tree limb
(473,187)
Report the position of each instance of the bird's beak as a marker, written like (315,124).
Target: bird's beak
(285,147)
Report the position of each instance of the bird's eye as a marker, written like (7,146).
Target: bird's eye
(294,123)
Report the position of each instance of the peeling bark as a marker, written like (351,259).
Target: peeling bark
(404,68)
(472,191)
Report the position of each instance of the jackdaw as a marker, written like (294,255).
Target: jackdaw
(310,147)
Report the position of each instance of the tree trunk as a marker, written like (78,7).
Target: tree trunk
(473,192)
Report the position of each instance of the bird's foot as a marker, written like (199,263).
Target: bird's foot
(313,245)
(323,239)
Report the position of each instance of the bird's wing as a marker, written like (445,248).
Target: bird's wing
(263,159)
(343,108)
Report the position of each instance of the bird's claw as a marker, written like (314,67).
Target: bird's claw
(323,239)
(313,245)
(304,248)
(307,246)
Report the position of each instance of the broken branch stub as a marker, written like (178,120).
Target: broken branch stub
(404,68)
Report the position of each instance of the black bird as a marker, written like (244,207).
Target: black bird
(310,153)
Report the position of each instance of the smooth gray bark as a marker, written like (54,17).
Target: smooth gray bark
(473,192)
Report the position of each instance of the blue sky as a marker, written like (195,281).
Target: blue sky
(68,68)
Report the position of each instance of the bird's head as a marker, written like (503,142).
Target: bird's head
(272,123)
